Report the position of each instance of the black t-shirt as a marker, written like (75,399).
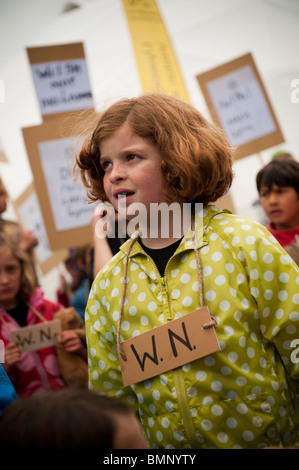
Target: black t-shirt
(161,256)
(19,313)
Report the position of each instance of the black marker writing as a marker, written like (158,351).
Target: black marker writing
(185,341)
(153,358)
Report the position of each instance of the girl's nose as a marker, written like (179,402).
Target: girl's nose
(117,173)
(3,278)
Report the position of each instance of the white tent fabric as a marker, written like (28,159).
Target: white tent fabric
(203,34)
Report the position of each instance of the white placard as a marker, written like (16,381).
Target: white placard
(31,216)
(69,206)
(241,106)
(62,85)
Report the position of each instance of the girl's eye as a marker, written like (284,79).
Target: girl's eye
(282,190)
(105,165)
(132,156)
(11,269)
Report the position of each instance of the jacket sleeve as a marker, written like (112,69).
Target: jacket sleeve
(103,364)
(274,283)
(7,391)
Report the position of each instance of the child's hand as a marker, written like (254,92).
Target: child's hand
(70,341)
(12,355)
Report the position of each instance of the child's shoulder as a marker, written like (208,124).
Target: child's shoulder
(116,263)
(233,226)
(221,217)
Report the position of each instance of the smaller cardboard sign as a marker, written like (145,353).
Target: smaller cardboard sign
(28,210)
(60,77)
(39,336)
(65,210)
(169,346)
(238,102)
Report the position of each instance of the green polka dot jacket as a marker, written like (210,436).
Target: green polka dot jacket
(243,396)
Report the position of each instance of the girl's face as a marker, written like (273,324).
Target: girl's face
(281,205)
(10,279)
(132,167)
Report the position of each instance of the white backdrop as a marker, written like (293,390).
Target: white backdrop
(203,34)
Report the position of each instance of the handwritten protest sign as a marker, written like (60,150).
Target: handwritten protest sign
(169,346)
(41,335)
(66,212)
(67,198)
(60,77)
(29,212)
(238,102)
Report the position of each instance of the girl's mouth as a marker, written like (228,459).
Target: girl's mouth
(123,195)
(5,291)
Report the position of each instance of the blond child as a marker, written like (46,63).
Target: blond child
(23,304)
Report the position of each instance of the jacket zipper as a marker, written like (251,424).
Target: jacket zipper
(177,373)
(184,407)
(179,383)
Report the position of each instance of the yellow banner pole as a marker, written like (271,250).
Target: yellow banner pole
(156,61)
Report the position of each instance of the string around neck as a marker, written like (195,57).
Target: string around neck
(120,349)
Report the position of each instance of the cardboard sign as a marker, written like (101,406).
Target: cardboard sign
(29,212)
(169,346)
(66,212)
(61,78)
(39,336)
(238,102)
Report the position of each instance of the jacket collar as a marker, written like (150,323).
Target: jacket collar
(202,221)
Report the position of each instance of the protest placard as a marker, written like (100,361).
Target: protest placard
(66,213)
(28,210)
(238,102)
(61,79)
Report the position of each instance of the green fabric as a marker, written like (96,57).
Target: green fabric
(239,397)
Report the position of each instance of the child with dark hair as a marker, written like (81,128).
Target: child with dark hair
(278,187)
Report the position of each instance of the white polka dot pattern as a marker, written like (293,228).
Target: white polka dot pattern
(238,397)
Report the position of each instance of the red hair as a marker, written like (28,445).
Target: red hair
(196,156)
